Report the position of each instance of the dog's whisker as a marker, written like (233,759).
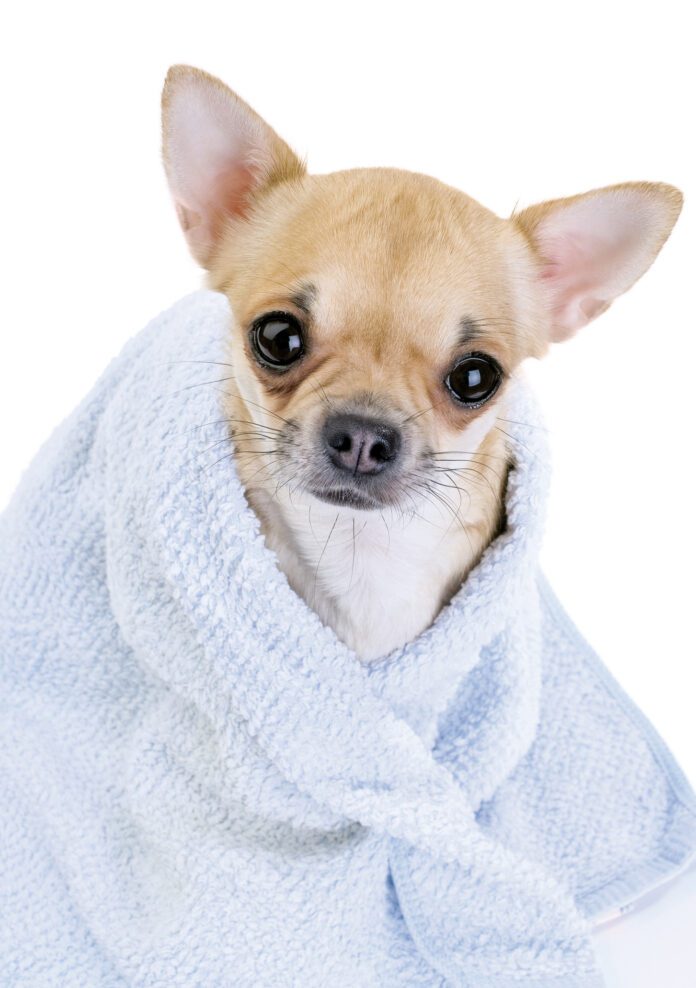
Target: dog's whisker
(262,455)
(468,452)
(218,363)
(515,439)
(423,411)
(201,453)
(266,465)
(321,555)
(248,401)
(232,394)
(526,425)
(280,284)
(458,517)
(319,389)
(297,278)
(253,437)
(456,464)
(416,415)
(386,525)
(462,523)
(439,497)
(461,470)
(352,565)
(226,421)
(482,477)
(209,466)
(421,492)
(203,425)
(200,384)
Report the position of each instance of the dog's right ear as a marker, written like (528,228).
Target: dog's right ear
(218,155)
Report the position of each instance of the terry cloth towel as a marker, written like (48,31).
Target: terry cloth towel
(201,786)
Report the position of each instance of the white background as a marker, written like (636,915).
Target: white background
(512,103)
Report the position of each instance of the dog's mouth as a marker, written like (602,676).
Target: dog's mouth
(347,498)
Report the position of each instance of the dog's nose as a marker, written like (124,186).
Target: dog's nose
(359,444)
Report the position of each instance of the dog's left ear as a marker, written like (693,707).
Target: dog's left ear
(593,247)
(219,156)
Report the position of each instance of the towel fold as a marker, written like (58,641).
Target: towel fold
(201,785)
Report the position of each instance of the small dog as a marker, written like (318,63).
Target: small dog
(379,318)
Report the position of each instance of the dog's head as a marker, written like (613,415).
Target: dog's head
(380,314)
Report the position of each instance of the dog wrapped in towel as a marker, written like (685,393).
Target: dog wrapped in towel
(201,785)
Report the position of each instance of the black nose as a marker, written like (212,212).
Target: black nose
(360,445)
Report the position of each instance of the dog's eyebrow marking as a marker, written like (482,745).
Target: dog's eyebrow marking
(469,330)
(304,297)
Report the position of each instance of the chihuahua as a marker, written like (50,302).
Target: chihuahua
(378,320)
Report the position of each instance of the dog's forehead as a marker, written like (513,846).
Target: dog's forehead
(376,245)
(393,226)
(382,259)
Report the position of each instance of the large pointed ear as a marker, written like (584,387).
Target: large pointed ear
(218,155)
(593,247)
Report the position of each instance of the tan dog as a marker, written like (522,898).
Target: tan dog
(379,319)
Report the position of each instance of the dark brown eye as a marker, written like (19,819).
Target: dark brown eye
(277,339)
(474,379)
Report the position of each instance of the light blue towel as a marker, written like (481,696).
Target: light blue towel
(201,786)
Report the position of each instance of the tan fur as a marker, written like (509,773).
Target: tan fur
(397,261)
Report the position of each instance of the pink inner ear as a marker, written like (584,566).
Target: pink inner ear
(594,250)
(225,196)
(573,279)
(217,150)
(230,194)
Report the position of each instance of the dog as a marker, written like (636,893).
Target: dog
(379,321)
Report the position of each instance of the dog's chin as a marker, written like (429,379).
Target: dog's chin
(347,497)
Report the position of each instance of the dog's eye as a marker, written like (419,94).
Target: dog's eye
(277,339)
(474,379)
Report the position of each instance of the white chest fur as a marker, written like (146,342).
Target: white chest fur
(377,578)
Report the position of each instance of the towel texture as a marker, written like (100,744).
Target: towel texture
(200,785)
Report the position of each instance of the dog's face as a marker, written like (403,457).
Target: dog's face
(381,314)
